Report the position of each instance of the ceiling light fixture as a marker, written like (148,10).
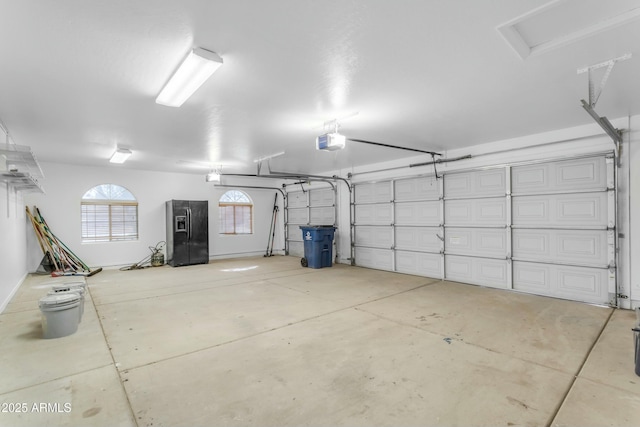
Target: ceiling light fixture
(120,155)
(196,68)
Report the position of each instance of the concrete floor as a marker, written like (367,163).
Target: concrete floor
(265,342)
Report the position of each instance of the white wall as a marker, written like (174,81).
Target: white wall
(65,184)
(569,142)
(13,264)
(632,141)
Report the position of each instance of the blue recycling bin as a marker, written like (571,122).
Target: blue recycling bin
(318,245)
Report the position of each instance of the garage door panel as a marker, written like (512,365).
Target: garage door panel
(458,212)
(294,233)
(533,210)
(380,259)
(297,216)
(296,249)
(374,236)
(561,210)
(480,271)
(421,264)
(377,214)
(491,273)
(423,239)
(321,212)
(532,277)
(324,197)
(575,283)
(297,199)
(375,192)
(472,241)
(475,184)
(418,213)
(423,188)
(476,212)
(458,268)
(561,246)
(322,216)
(566,176)
(491,212)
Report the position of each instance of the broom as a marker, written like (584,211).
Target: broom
(65,261)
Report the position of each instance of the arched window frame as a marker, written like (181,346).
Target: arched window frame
(109,213)
(236,213)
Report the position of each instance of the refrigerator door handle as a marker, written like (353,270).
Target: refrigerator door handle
(189,223)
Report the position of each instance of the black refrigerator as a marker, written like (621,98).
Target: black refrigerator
(187,232)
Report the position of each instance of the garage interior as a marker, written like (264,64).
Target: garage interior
(476,160)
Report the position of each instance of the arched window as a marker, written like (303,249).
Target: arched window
(109,213)
(236,213)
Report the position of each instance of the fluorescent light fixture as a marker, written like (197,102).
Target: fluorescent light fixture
(213,177)
(120,155)
(196,68)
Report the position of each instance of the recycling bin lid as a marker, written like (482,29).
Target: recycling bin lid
(59,299)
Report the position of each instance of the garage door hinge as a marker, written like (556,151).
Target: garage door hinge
(621,296)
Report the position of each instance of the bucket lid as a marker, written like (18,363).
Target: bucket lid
(59,299)
(68,287)
(76,283)
(77,291)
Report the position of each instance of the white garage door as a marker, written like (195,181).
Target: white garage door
(543,228)
(476,233)
(373,231)
(398,226)
(312,207)
(564,229)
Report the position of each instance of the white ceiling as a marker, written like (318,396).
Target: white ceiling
(79,77)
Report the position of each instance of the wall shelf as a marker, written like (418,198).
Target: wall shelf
(19,168)
(21,181)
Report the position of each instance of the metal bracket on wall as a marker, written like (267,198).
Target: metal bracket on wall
(259,161)
(594,95)
(605,124)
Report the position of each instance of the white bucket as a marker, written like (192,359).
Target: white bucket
(60,314)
